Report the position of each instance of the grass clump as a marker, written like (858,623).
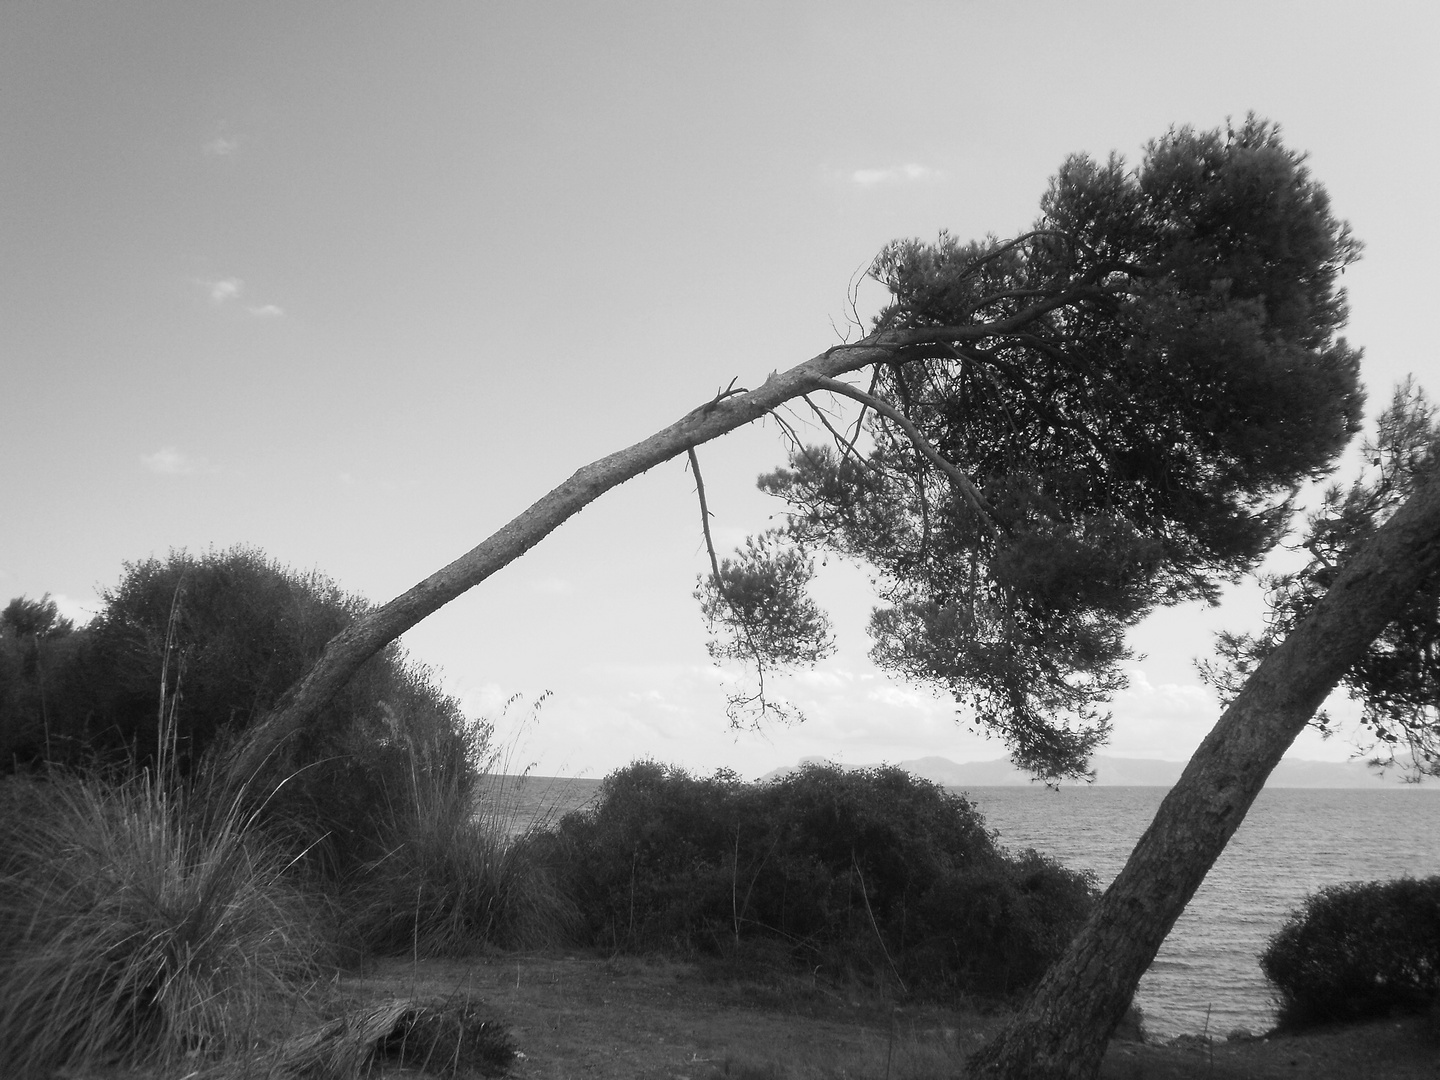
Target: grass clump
(870,873)
(1358,951)
(454,877)
(137,929)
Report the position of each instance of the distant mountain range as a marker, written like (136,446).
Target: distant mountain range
(1136,772)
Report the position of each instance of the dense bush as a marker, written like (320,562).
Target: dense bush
(222,636)
(1356,951)
(38,699)
(871,871)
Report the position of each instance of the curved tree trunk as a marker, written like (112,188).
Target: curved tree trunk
(367,635)
(1064,1027)
(347,651)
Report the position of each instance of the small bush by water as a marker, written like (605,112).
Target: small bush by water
(1358,951)
(873,873)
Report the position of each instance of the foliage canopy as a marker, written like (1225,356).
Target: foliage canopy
(1397,681)
(1157,368)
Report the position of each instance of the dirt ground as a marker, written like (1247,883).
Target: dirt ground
(582,1017)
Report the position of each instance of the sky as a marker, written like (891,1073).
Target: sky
(354,284)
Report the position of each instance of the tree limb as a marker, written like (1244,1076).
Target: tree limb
(959,479)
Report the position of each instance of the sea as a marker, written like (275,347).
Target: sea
(1206,979)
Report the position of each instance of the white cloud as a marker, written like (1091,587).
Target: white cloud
(1166,700)
(168,461)
(552,586)
(225,289)
(220,146)
(896,174)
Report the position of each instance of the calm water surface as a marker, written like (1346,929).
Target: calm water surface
(1293,841)
(1206,976)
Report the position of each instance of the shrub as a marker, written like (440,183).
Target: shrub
(133,928)
(223,635)
(38,648)
(1356,951)
(873,871)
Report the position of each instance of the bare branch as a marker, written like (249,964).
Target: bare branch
(738,700)
(705,519)
(846,449)
(962,483)
(860,420)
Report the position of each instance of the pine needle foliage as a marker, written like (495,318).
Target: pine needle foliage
(1107,413)
(1397,681)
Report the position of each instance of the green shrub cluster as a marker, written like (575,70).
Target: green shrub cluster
(1357,951)
(220,637)
(872,872)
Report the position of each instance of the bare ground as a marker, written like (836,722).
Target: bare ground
(582,1017)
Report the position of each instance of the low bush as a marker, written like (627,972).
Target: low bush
(137,928)
(1357,951)
(869,872)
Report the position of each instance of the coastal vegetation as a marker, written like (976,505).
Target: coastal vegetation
(1049,437)
(869,875)
(1358,951)
(1108,413)
(155,915)
(152,918)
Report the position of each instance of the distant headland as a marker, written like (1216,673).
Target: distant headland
(1140,772)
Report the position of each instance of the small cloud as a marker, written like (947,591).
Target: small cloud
(347,479)
(168,461)
(220,146)
(552,586)
(225,289)
(897,174)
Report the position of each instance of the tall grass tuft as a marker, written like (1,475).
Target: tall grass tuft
(459,872)
(137,930)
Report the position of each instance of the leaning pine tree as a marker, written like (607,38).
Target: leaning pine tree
(1104,414)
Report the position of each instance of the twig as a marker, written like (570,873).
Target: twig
(864,895)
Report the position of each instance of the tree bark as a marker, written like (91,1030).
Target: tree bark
(1064,1027)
